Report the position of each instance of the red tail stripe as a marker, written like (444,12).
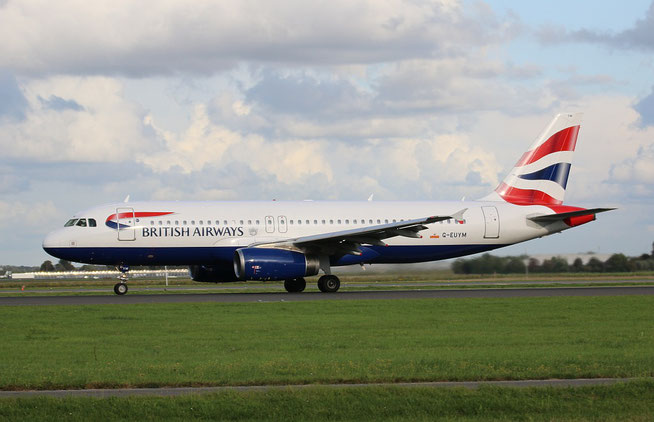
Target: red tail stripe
(124,215)
(525,196)
(564,140)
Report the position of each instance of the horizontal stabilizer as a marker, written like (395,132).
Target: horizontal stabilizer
(562,216)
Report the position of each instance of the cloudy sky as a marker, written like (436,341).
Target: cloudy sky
(246,99)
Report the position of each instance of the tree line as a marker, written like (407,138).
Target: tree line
(490,264)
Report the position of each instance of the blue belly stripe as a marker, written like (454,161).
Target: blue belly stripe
(217,255)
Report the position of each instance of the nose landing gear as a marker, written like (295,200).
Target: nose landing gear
(121,287)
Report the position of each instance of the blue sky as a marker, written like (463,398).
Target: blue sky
(294,100)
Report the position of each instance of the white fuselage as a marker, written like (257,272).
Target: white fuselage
(189,233)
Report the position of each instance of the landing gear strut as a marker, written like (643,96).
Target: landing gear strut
(295,285)
(121,287)
(329,283)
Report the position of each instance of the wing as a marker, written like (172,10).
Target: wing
(349,241)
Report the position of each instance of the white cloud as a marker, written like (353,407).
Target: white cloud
(166,36)
(103,128)
(32,216)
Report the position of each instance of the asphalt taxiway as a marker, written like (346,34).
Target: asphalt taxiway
(112,299)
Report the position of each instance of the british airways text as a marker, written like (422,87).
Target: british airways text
(196,232)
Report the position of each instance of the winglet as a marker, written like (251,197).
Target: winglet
(459,214)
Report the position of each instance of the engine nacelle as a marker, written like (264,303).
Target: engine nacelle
(273,264)
(213,273)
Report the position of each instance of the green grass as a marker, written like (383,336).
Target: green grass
(633,401)
(325,341)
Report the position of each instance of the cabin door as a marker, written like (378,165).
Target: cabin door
(125,223)
(492,222)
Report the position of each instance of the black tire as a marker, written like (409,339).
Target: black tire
(295,285)
(120,288)
(329,284)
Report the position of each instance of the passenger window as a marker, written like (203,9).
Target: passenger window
(323,221)
(81,222)
(354,222)
(70,222)
(257,222)
(331,221)
(386,221)
(378,221)
(290,221)
(241,222)
(160,223)
(152,222)
(200,222)
(308,222)
(339,221)
(315,221)
(92,222)
(177,222)
(184,222)
(168,223)
(347,221)
(225,222)
(193,222)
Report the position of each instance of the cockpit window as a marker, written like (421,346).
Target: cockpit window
(92,222)
(81,222)
(70,222)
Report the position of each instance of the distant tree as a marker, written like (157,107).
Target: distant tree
(533,265)
(66,265)
(577,266)
(617,263)
(594,265)
(555,264)
(47,266)
(514,265)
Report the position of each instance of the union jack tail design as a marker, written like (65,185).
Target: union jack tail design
(541,174)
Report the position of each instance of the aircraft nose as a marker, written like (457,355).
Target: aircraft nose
(53,240)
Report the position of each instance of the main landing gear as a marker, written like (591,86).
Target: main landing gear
(121,287)
(327,284)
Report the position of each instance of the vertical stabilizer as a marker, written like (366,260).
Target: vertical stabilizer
(541,174)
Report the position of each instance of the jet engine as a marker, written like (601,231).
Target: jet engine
(273,264)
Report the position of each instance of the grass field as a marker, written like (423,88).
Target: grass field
(633,401)
(326,341)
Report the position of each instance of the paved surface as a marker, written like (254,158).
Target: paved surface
(296,297)
(280,287)
(124,392)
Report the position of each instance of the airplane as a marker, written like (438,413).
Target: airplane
(290,240)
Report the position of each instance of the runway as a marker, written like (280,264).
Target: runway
(112,299)
(179,391)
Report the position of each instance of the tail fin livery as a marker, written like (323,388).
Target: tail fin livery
(541,174)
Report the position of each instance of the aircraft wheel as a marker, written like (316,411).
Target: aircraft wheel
(329,283)
(120,289)
(295,285)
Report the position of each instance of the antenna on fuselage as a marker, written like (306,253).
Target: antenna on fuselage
(370,197)
(126,200)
